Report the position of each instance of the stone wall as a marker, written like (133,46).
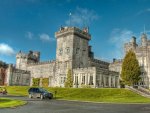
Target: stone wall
(2,76)
(17,77)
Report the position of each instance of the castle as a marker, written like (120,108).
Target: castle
(73,52)
(142,52)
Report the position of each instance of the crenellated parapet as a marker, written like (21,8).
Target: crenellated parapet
(84,69)
(74,31)
(41,63)
(21,55)
(99,61)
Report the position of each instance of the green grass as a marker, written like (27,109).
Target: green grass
(88,94)
(5,102)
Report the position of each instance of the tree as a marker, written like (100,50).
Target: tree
(3,64)
(130,73)
(69,80)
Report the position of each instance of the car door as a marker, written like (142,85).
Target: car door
(38,93)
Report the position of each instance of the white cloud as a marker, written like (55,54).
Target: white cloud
(82,17)
(29,35)
(143,11)
(5,49)
(118,38)
(45,38)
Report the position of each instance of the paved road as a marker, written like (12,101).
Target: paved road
(60,106)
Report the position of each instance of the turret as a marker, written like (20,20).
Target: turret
(133,40)
(131,45)
(21,60)
(144,39)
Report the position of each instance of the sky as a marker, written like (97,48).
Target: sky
(31,25)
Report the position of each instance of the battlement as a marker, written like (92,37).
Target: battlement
(41,63)
(117,60)
(21,55)
(35,56)
(99,61)
(86,69)
(73,30)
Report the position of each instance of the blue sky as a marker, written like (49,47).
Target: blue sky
(30,25)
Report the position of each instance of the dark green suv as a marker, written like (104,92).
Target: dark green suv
(39,93)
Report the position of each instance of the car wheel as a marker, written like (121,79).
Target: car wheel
(30,96)
(50,97)
(42,97)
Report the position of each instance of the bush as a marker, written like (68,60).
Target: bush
(45,82)
(36,82)
(85,86)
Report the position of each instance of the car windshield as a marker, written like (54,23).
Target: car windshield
(43,90)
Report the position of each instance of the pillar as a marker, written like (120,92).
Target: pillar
(104,81)
(86,79)
(40,81)
(94,80)
(114,81)
(109,82)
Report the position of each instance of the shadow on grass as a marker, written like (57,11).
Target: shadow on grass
(5,100)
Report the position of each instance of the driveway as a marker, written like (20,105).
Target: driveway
(61,106)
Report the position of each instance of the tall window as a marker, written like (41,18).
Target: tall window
(67,50)
(91,80)
(83,79)
(107,81)
(76,80)
(62,80)
(60,51)
(77,51)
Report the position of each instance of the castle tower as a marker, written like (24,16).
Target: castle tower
(131,45)
(144,39)
(21,60)
(72,45)
(37,55)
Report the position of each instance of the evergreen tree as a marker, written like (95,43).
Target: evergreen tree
(69,80)
(130,73)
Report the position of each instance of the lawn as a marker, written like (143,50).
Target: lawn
(88,94)
(5,102)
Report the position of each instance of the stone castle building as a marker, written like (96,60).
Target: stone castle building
(142,52)
(73,52)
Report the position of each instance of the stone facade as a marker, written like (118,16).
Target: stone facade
(116,65)
(142,52)
(17,77)
(73,52)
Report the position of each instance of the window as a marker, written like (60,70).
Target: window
(83,52)
(83,79)
(77,51)
(91,80)
(67,50)
(76,80)
(107,81)
(60,51)
(62,80)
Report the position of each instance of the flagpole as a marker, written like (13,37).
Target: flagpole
(70,19)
